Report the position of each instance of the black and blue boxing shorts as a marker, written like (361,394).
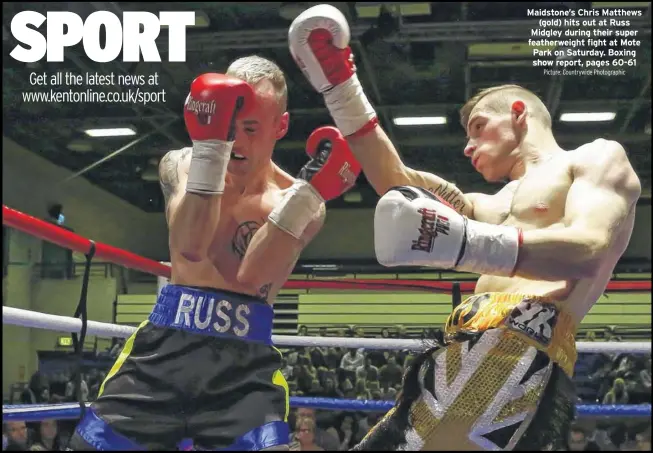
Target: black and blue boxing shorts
(202,367)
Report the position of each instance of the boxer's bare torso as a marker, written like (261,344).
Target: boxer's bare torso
(538,201)
(243,212)
(542,199)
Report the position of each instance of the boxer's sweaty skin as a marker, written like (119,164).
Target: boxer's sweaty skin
(225,241)
(561,200)
(242,217)
(543,199)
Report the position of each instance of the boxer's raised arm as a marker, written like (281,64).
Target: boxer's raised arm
(384,169)
(603,194)
(192,218)
(273,253)
(331,171)
(319,42)
(212,107)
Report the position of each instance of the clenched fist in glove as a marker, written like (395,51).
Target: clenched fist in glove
(319,43)
(331,172)
(214,104)
(413,227)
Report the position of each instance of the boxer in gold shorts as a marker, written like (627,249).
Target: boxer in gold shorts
(487,385)
(545,247)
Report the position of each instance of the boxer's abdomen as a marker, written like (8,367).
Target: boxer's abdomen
(493,284)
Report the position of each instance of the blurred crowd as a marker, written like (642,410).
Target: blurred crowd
(369,374)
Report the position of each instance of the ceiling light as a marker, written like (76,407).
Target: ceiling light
(587,117)
(111,132)
(420,120)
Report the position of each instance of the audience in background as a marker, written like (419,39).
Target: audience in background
(16,435)
(38,390)
(48,438)
(305,434)
(361,374)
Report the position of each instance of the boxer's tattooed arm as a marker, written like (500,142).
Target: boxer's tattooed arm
(243,237)
(450,193)
(169,171)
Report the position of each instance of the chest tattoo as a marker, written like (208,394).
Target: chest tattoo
(243,236)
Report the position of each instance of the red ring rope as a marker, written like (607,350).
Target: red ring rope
(64,238)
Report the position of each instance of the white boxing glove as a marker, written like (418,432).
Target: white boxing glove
(412,227)
(319,44)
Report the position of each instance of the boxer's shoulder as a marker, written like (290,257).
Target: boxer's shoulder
(606,162)
(597,152)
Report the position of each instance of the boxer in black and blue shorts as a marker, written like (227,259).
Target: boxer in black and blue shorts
(203,367)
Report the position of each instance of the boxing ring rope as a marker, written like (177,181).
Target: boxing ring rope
(64,238)
(28,318)
(68,411)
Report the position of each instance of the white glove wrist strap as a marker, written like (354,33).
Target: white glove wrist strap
(349,106)
(490,249)
(299,206)
(208,166)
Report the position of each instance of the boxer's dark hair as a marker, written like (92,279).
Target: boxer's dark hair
(499,99)
(252,69)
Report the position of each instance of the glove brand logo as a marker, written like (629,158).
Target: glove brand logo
(346,174)
(67,29)
(192,314)
(533,319)
(203,109)
(431,225)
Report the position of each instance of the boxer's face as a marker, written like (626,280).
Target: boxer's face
(492,142)
(258,132)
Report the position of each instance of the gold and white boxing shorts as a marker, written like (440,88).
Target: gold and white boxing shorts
(500,381)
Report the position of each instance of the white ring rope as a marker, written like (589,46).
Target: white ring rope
(28,318)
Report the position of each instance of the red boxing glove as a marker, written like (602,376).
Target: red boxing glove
(214,104)
(333,169)
(331,172)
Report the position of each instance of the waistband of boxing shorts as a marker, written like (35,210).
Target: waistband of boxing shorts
(100,436)
(215,313)
(541,322)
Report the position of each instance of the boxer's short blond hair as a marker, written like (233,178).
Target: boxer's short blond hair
(252,69)
(499,99)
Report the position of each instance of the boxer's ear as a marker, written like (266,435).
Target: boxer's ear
(519,112)
(282,129)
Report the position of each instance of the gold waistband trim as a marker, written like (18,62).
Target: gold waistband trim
(539,321)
